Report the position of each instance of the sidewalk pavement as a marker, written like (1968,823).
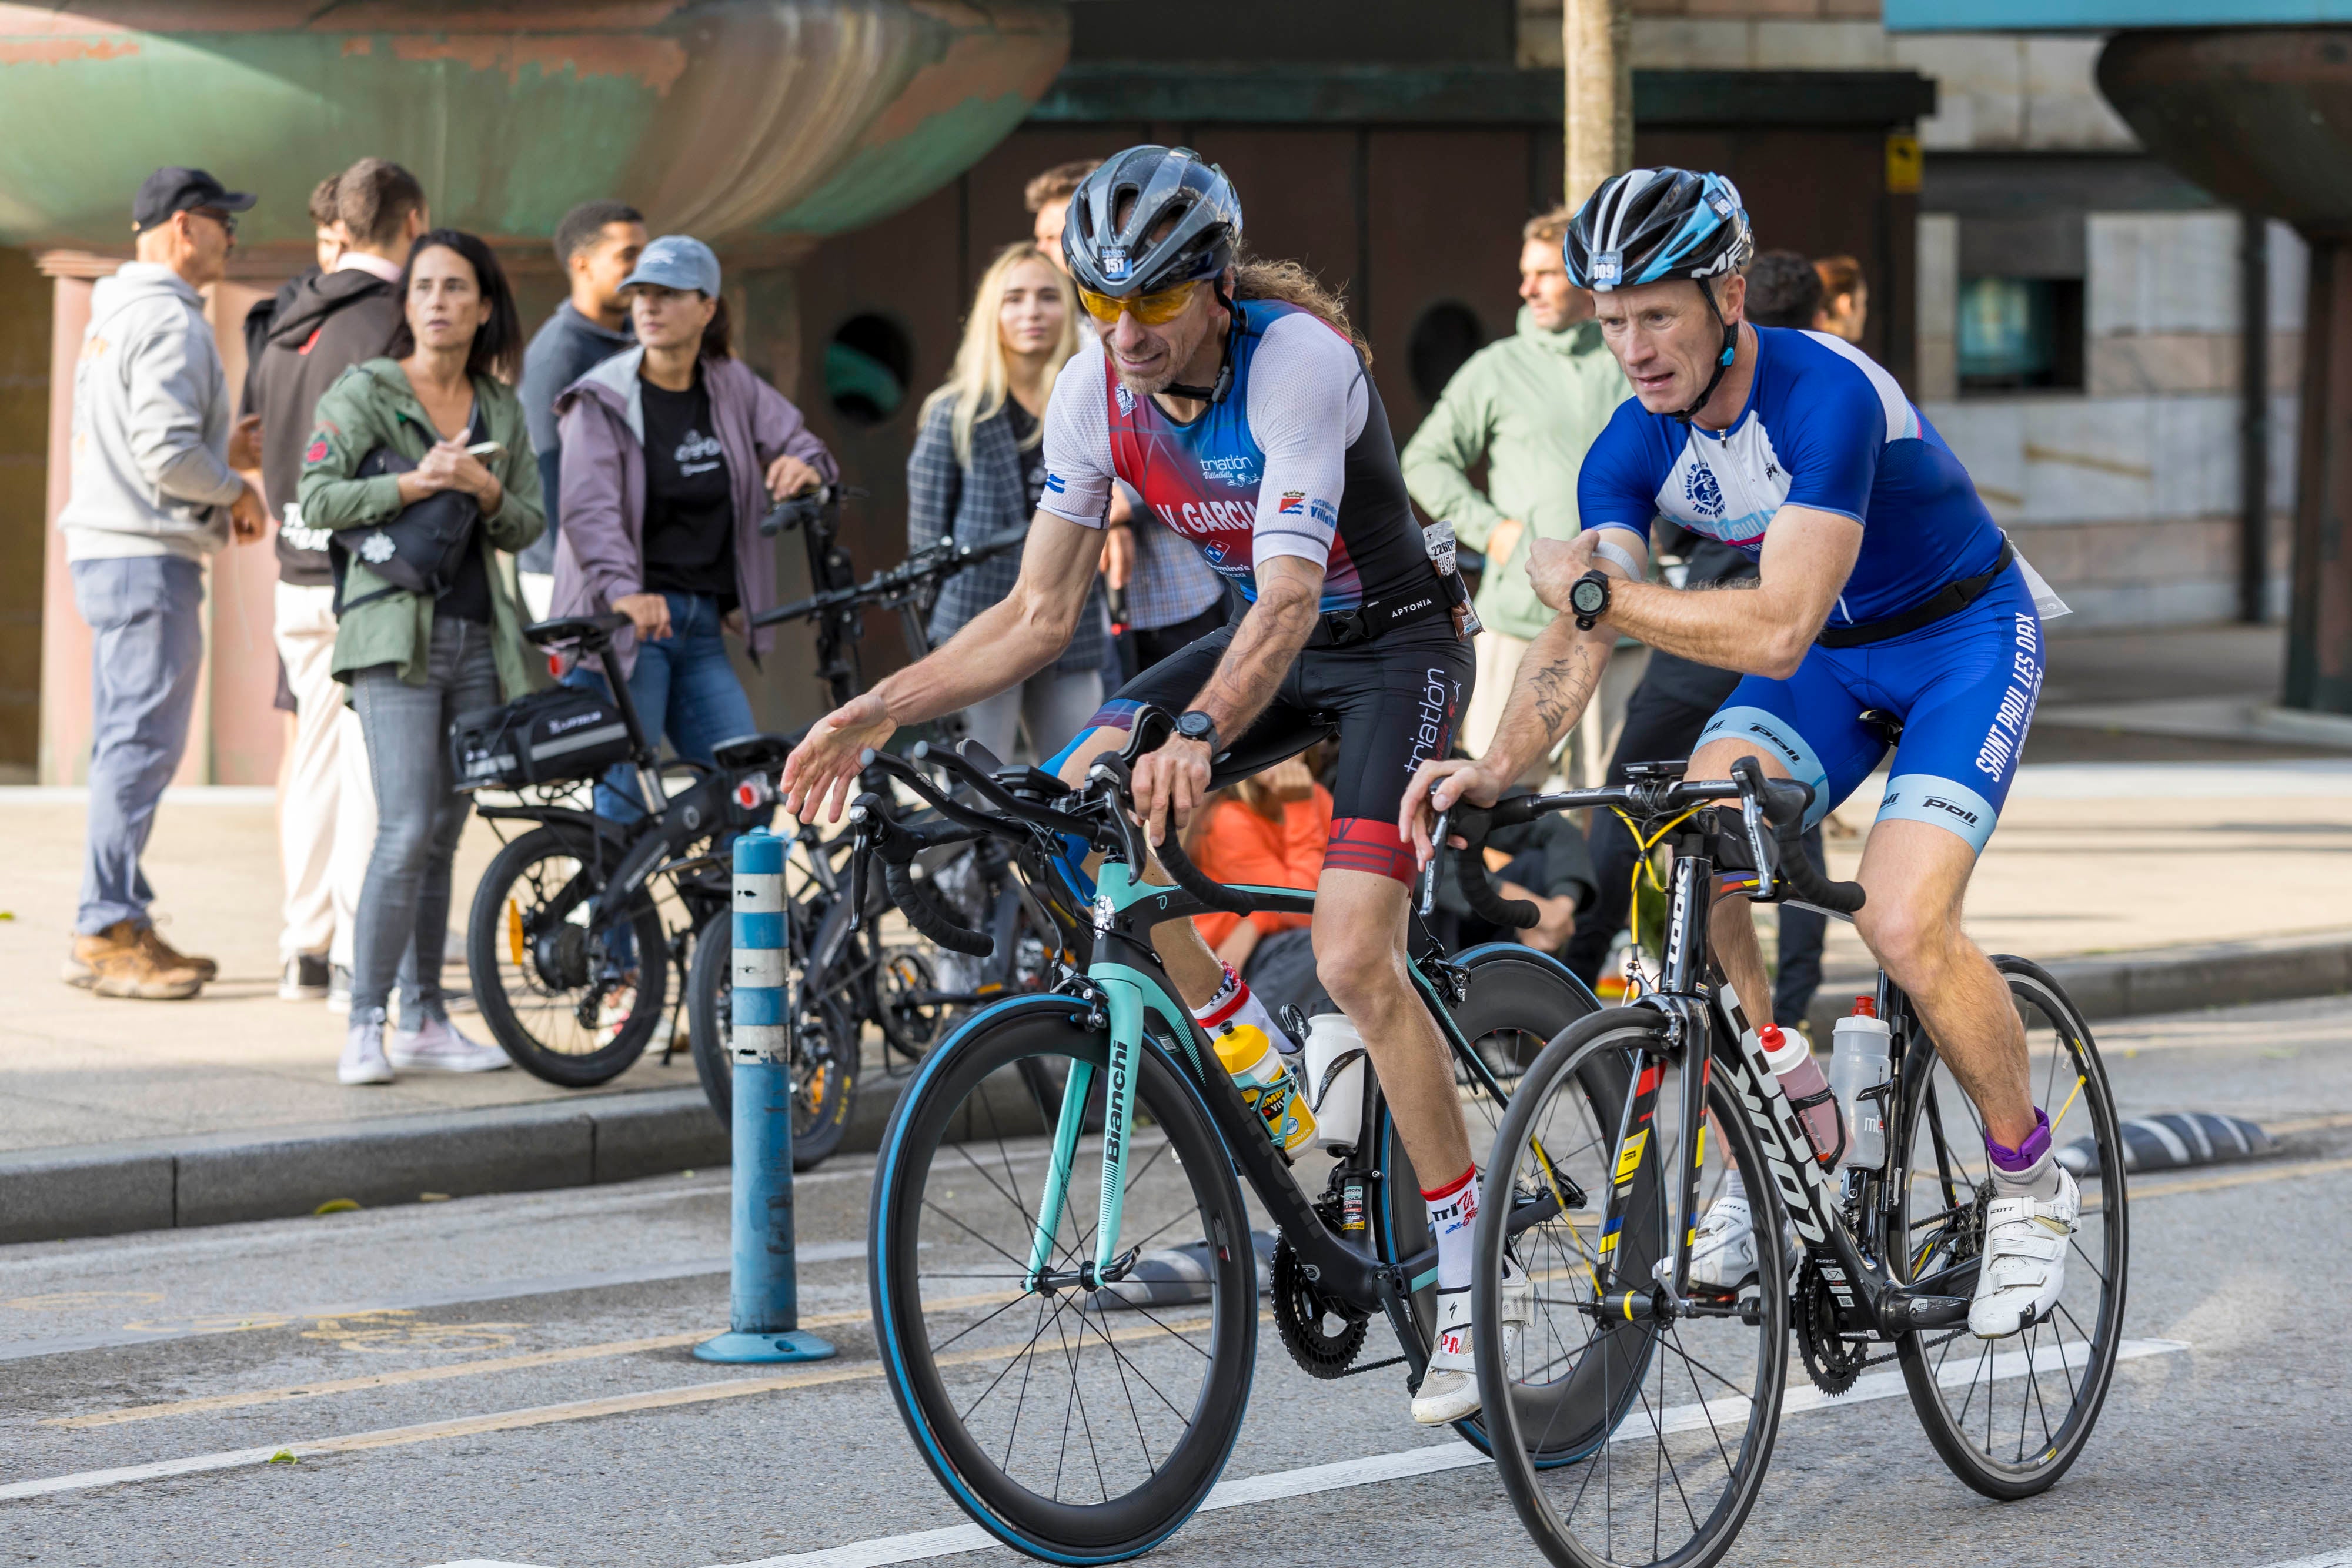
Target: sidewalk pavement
(2148,886)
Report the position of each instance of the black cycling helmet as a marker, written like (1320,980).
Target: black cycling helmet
(1120,258)
(1650,225)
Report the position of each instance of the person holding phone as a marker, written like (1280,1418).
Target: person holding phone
(444,401)
(674,450)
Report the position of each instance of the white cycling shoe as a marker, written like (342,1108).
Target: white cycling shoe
(1449,1389)
(1723,1250)
(2024,1264)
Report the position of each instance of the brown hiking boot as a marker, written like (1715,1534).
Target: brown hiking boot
(170,957)
(117,963)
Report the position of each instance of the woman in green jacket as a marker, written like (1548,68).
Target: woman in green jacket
(414,663)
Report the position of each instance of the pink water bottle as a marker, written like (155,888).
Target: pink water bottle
(1801,1078)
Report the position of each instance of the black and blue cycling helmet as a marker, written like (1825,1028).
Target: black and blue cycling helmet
(1653,226)
(1122,253)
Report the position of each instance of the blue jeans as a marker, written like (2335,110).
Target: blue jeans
(684,688)
(146,652)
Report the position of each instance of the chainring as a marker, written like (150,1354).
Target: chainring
(1300,1313)
(913,1026)
(1832,1363)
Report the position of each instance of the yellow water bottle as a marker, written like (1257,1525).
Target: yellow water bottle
(1268,1088)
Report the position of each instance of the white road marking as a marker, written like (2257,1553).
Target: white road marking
(1432,1458)
(2339,1558)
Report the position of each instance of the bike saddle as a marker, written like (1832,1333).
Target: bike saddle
(1884,723)
(592,631)
(764,752)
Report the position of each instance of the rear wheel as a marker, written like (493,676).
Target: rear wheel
(570,1004)
(2010,1415)
(1077,1427)
(825,1050)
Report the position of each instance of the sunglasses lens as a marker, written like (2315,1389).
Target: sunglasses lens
(1101,306)
(1151,309)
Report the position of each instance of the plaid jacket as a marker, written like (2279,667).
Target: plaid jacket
(975,503)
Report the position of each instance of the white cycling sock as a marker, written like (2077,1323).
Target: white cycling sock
(1235,1004)
(1733,1187)
(1453,1219)
(2029,1170)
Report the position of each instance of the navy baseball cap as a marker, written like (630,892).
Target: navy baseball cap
(177,189)
(677,261)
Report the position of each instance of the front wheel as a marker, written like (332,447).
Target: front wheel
(2010,1416)
(570,1004)
(1078,1427)
(824,1058)
(1621,1436)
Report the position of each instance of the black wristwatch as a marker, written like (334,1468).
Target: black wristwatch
(1194,725)
(1589,598)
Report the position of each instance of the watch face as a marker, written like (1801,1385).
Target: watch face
(1193,726)
(1587,597)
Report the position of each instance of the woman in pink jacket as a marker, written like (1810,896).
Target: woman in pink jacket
(672,453)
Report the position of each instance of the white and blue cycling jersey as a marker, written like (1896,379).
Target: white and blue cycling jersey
(1827,428)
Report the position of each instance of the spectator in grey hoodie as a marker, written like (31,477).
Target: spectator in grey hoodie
(154,490)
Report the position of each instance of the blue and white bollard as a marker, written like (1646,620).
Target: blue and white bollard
(763,1304)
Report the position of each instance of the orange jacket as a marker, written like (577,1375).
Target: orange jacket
(1239,845)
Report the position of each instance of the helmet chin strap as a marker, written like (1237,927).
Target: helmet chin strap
(1217,393)
(1723,361)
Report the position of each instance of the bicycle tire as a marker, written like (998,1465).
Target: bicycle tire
(1581,1426)
(1925,1356)
(819,1118)
(1516,995)
(537,948)
(953,1089)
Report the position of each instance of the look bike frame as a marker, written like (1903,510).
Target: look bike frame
(1703,1014)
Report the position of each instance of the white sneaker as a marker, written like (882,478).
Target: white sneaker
(440,1048)
(1449,1389)
(364,1060)
(2024,1264)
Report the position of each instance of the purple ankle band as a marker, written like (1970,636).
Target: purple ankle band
(2023,1156)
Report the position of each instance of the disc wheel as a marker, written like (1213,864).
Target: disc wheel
(1075,1428)
(2010,1416)
(571,1005)
(825,1050)
(1622,1436)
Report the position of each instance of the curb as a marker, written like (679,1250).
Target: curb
(220,1178)
(2158,979)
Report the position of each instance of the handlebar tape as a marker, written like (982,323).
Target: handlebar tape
(1797,871)
(923,912)
(1190,877)
(1473,823)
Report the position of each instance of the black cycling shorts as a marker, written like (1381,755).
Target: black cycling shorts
(1393,703)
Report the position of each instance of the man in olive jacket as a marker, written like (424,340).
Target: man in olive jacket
(1529,404)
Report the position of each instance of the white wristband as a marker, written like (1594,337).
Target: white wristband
(1618,555)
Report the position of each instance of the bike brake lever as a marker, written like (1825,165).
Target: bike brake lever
(1751,817)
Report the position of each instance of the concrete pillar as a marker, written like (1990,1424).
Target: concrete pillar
(2319,599)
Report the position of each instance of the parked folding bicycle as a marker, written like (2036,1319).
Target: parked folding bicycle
(1077,1397)
(1669,1395)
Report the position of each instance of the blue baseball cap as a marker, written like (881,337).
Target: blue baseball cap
(677,261)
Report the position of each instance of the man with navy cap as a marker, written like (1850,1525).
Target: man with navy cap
(154,490)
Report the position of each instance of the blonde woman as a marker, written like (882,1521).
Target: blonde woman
(978,468)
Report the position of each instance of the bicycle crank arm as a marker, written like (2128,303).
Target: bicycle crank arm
(1902,1312)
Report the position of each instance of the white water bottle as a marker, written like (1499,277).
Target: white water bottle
(1791,1062)
(1335,1079)
(1858,1062)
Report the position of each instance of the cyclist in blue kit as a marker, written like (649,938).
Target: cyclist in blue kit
(1230,394)
(1883,584)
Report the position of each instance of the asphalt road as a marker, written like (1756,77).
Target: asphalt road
(412,1354)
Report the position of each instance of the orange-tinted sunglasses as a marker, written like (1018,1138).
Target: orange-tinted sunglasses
(1151,309)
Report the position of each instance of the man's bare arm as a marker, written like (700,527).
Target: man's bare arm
(1808,555)
(1265,644)
(1010,640)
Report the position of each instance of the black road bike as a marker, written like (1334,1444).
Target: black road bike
(1669,1395)
(1067,1305)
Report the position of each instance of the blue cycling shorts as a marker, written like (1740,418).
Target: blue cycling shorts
(1964,689)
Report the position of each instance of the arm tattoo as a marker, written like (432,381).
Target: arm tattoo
(1265,642)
